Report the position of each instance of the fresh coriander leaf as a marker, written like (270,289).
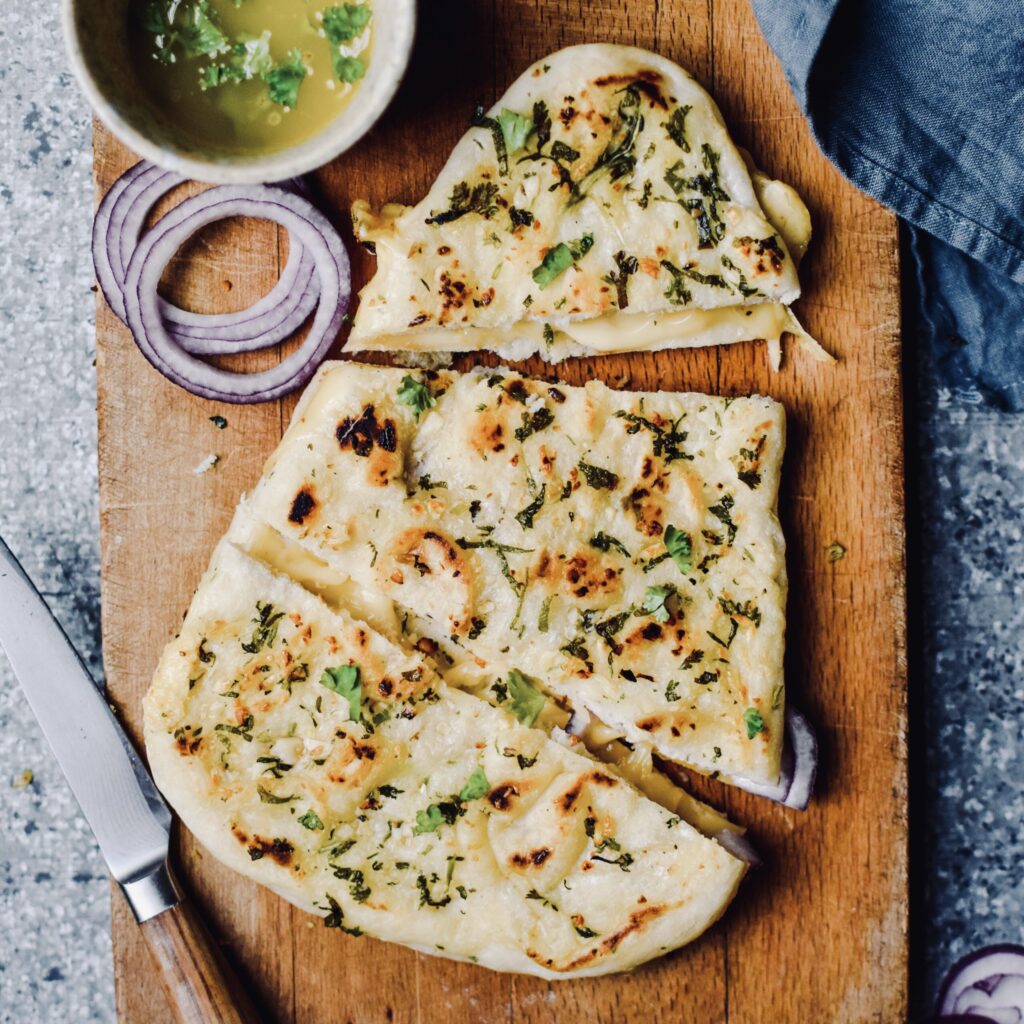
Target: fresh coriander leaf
(680,548)
(559,258)
(476,787)
(525,762)
(753,721)
(415,393)
(284,79)
(520,218)
(344,22)
(672,690)
(515,129)
(389,791)
(527,702)
(656,602)
(429,820)
(345,681)
(311,820)
(747,610)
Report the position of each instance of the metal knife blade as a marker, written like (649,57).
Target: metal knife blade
(127,815)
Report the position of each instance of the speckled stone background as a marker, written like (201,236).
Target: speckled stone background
(967,579)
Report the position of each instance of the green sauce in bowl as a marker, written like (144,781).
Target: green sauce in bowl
(249,77)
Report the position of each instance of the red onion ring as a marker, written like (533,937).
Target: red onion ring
(116,230)
(799,766)
(988,984)
(738,845)
(305,224)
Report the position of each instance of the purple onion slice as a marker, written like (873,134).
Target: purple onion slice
(799,766)
(116,230)
(988,983)
(305,223)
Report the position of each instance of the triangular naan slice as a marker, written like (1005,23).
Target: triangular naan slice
(312,755)
(600,206)
(621,548)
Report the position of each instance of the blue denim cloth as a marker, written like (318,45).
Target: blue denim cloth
(920,103)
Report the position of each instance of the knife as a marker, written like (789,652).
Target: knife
(119,799)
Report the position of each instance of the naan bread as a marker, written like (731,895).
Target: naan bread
(600,206)
(396,807)
(620,549)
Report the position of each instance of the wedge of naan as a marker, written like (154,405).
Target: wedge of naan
(599,206)
(619,549)
(311,754)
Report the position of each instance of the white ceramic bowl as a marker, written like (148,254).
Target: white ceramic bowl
(95,32)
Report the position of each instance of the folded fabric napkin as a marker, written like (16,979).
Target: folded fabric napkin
(920,103)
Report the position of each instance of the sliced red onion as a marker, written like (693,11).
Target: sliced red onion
(579,720)
(738,845)
(799,766)
(305,224)
(988,983)
(116,230)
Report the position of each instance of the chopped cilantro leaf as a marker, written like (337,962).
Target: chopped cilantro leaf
(676,127)
(416,394)
(656,602)
(344,22)
(311,820)
(526,517)
(476,787)
(481,199)
(527,702)
(753,721)
(348,69)
(284,79)
(559,258)
(680,548)
(345,681)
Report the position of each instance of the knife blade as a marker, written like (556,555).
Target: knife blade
(126,813)
(119,799)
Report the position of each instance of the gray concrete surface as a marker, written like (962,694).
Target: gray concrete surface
(967,562)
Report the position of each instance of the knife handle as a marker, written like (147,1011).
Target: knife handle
(200,985)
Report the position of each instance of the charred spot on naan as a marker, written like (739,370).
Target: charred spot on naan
(428,555)
(375,440)
(303,506)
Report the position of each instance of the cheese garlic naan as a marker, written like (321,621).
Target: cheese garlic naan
(622,549)
(599,206)
(314,756)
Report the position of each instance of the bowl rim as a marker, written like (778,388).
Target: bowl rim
(291,162)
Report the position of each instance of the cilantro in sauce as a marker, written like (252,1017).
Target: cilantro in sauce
(343,23)
(284,79)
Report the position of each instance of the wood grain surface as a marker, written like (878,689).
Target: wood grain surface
(820,932)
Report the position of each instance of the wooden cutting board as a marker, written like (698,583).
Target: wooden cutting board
(820,932)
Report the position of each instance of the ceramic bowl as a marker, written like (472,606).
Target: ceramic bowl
(95,32)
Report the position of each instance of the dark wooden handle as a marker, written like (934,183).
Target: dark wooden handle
(201,986)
